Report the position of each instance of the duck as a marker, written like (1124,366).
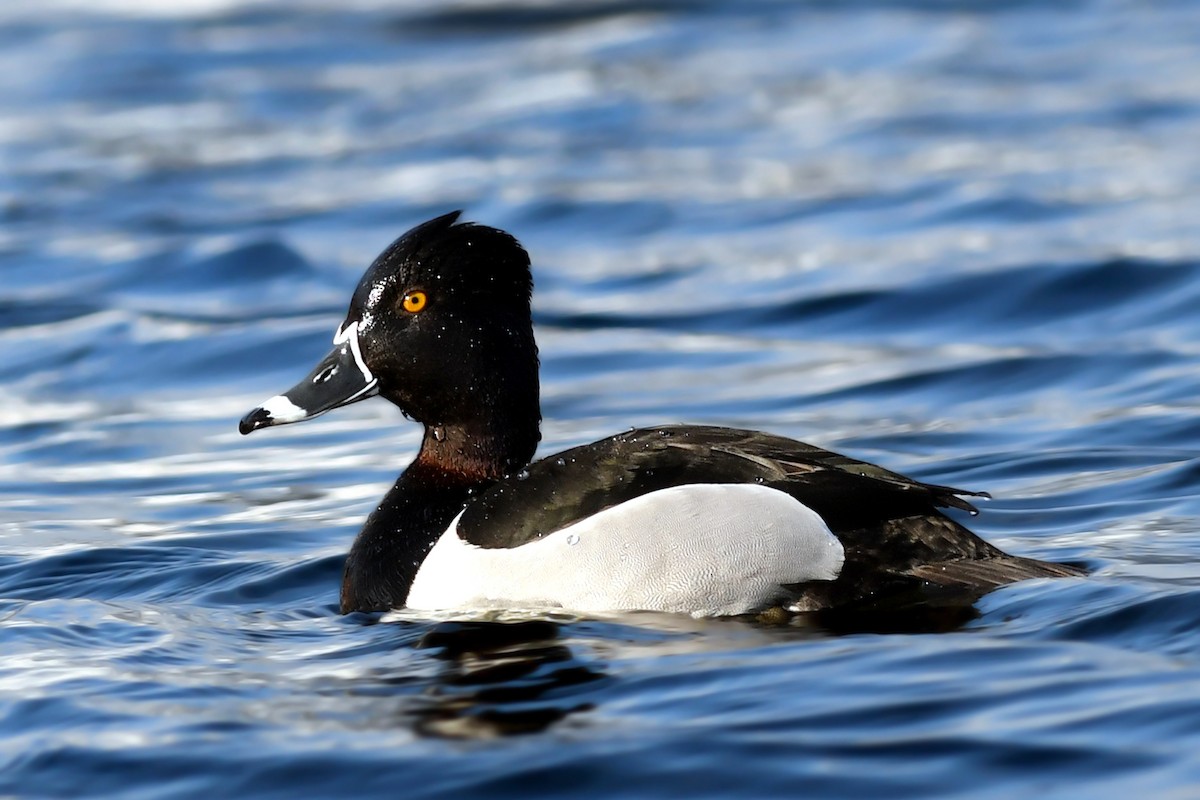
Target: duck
(703,520)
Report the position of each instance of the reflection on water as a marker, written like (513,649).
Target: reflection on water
(520,677)
(502,679)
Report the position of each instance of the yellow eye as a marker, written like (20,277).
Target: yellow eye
(414,302)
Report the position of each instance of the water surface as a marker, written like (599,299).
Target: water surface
(957,239)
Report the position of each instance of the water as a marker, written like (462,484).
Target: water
(957,239)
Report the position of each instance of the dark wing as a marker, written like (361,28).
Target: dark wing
(918,557)
(805,462)
(569,486)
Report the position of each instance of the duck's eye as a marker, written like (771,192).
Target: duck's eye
(414,302)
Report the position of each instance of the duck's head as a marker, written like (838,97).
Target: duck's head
(440,325)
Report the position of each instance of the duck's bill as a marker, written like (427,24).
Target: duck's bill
(340,379)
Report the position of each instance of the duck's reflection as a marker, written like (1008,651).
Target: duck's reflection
(942,614)
(502,678)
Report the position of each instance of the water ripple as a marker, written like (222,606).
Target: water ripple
(945,237)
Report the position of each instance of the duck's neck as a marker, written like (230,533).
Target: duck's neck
(482,451)
(455,462)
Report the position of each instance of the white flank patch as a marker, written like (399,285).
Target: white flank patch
(283,410)
(700,549)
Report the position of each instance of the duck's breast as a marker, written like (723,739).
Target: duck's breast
(702,549)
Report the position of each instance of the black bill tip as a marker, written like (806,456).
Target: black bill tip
(258,418)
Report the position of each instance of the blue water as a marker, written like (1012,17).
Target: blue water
(959,239)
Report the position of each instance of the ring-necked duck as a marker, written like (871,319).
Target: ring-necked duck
(703,520)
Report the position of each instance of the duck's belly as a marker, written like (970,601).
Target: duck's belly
(701,549)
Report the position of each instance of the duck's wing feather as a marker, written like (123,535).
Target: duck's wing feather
(800,460)
(569,486)
(919,556)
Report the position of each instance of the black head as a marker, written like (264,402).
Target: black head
(444,321)
(440,325)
